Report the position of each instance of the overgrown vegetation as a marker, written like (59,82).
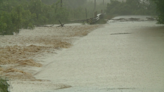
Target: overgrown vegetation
(131,7)
(4,85)
(17,14)
(160,9)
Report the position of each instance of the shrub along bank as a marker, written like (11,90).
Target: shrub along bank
(17,14)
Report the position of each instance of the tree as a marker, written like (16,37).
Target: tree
(2,25)
(130,7)
(17,14)
(74,3)
(160,9)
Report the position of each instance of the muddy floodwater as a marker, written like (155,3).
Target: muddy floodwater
(125,55)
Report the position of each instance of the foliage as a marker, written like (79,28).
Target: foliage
(160,9)
(74,3)
(18,14)
(131,7)
(14,19)
(4,85)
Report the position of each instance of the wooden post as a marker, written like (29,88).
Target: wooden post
(3,33)
(95,14)
(61,24)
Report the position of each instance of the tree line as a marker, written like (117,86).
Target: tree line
(160,10)
(131,7)
(137,7)
(18,14)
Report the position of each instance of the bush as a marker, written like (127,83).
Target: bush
(18,14)
(160,9)
(4,85)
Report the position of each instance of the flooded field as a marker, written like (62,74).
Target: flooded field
(124,55)
(19,53)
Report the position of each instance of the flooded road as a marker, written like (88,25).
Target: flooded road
(122,56)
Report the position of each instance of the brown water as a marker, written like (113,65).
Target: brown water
(123,56)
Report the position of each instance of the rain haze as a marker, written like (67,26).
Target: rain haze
(81,46)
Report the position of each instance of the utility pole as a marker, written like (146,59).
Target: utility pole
(103,2)
(61,3)
(94,5)
(94,8)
